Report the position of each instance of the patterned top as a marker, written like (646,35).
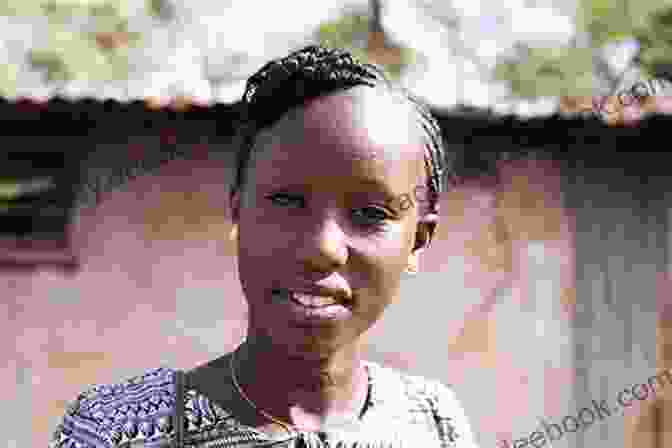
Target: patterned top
(401,411)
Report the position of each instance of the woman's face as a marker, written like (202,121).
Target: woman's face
(320,209)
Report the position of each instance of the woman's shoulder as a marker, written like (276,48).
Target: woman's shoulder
(414,387)
(105,415)
(425,398)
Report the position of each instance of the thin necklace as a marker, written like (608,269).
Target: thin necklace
(286,426)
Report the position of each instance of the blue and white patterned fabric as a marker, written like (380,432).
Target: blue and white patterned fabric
(402,411)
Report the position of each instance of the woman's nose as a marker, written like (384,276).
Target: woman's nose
(323,249)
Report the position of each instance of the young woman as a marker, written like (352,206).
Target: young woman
(327,218)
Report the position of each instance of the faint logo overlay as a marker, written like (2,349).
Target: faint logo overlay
(421,193)
(626,107)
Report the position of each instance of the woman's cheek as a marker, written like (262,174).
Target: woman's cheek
(384,263)
(263,232)
(387,241)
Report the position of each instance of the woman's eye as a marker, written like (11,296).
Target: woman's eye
(370,215)
(285,199)
(366,215)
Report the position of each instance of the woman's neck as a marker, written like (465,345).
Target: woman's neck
(309,393)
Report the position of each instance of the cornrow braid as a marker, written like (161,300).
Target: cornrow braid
(314,71)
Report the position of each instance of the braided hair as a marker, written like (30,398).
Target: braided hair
(314,71)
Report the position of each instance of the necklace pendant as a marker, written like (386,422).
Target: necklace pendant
(310,440)
(301,441)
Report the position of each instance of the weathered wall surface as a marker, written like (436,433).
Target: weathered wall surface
(490,311)
(621,287)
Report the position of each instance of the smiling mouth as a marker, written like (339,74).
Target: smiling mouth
(308,300)
(312,301)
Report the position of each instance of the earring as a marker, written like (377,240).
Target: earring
(411,269)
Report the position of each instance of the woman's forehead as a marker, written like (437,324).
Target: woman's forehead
(362,122)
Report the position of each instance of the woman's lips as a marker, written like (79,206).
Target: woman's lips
(326,310)
(312,301)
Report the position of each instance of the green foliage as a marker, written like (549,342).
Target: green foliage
(351,32)
(548,72)
(605,20)
(162,9)
(8,77)
(344,32)
(62,9)
(568,71)
(612,20)
(408,57)
(53,65)
(655,40)
(21,8)
(74,55)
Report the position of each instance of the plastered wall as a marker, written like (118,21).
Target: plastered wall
(158,286)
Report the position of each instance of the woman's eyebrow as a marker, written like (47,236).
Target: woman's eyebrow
(363,186)
(376,185)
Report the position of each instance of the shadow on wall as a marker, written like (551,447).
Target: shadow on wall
(464,318)
(161,246)
(141,248)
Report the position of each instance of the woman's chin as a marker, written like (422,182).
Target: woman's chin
(308,346)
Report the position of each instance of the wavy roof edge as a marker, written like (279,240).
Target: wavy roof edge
(186,107)
(27,110)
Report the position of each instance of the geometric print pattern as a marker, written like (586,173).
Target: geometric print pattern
(401,411)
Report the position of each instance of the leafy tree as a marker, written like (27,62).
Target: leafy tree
(605,20)
(162,9)
(572,70)
(348,31)
(655,39)
(8,76)
(537,72)
(363,35)
(99,53)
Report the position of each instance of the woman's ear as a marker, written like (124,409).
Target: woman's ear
(423,237)
(234,207)
(234,204)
